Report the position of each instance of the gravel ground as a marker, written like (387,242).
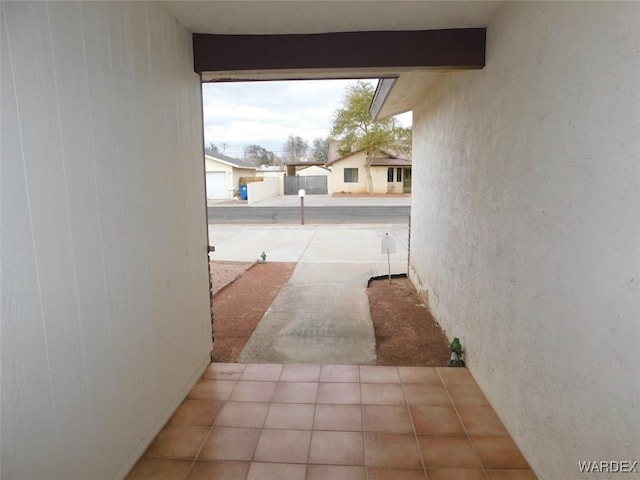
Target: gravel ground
(223,273)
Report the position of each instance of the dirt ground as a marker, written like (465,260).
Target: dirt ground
(238,307)
(406,333)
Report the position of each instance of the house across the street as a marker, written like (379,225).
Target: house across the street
(223,175)
(385,173)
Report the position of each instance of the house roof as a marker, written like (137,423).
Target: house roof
(234,162)
(390,162)
(385,159)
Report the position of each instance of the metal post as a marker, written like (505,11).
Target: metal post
(301,194)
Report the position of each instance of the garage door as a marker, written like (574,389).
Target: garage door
(217,186)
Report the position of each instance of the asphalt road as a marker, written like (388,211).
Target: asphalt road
(312,215)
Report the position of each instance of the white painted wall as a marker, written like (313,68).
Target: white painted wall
(526,226)
(105,311)
(277,175)
(357,160)
(267,188)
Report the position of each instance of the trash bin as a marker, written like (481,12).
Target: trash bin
(243,192)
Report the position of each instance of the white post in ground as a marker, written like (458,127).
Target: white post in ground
(301,193)
(388,247)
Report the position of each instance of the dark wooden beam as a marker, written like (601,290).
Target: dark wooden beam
(451,48)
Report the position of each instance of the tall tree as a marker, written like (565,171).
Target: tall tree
(259,155)
(320,149)
(211,149)
(355,130)
(295,149)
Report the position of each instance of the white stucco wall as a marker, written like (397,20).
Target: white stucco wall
(525,227)
(357,160)
(267,188)
(105,305)
(278,175)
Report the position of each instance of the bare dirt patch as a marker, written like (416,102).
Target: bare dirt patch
(239,306)
(406,332)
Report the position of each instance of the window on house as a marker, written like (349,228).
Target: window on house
(350,175)
(390,174)
(398,174)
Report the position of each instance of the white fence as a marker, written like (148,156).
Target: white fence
(257,191)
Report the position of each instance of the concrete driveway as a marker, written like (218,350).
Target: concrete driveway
(322,314)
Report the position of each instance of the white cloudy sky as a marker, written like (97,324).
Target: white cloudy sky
(266,113)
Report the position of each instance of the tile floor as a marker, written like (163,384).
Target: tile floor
(332,422)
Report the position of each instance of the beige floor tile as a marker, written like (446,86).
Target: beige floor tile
(438,420)
(283,446)
(300,373)
(336,448)
(292,416)
(421,375)
(229,443)
(196,412)
(441,451)
(276,471)
(243,414)
(212,390)
(426,394)
(263,372)
(339,393)
(499,452)
(340,373)
(253,391)
(335,472)
(382,394)
(178,441)
(481,421)
(159,469)
(207,470)
(387,418)
(296,392)
(392,450)
(372,374)
(338,418)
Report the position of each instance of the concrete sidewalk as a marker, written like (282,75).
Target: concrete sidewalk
(322,314)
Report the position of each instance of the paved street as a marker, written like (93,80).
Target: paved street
(312,215)
(318,209)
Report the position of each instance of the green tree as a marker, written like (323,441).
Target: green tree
(295,149)
(320,149)
(355,130)
(259,155)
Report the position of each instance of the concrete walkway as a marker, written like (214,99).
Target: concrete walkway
(322,314)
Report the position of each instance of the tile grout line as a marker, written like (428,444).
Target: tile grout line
(413,426)
(364,437)
(455,408)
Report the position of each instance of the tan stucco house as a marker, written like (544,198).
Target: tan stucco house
(389,174)
(223,175)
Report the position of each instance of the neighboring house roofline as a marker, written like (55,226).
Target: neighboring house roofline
(232,162)
(377,160)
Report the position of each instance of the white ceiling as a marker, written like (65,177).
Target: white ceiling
(314,16)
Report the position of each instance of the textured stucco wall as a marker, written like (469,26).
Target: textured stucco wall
(356,160)
(105,303)
(525,231)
